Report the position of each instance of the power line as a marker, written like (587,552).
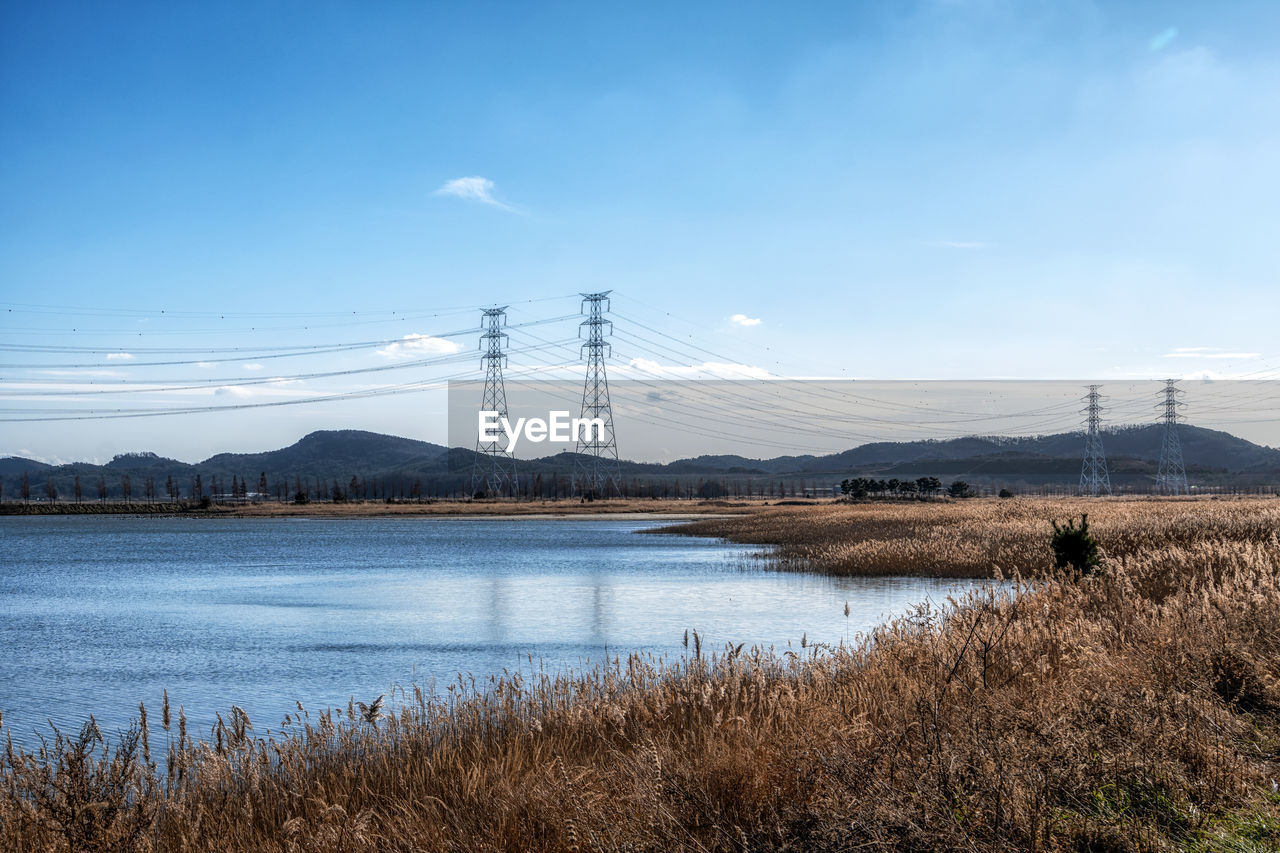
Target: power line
(52,415)
(344,319)
(160,386)
(260,353)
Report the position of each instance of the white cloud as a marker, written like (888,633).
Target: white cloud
(204,365)
(252,366)
(119,356)
(272,388)
(646,368)
(474,188)
(744,321)
(1210,352)
(233,391)
(415,345)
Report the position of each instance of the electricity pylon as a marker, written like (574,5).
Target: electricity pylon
(1094,479)
(494,469)
(1171,476)
(596,470)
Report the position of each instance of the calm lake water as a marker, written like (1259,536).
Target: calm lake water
(99,613)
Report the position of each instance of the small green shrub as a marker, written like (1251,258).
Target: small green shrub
(1075,547)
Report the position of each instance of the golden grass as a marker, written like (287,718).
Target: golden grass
(977,538)
(1135,711)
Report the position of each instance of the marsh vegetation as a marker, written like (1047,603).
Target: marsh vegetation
(978,539)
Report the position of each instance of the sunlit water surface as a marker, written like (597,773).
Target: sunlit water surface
(100,613)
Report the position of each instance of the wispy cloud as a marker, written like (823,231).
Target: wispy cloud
(647,368)
(413,346)
(1210,352)
(252,366)
(204,365)
(276,387)
(745,321)
(474,188)
(119,356)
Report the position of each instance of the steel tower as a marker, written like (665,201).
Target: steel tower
(596,471)
(494,469)
(1094,479)
(1171,477)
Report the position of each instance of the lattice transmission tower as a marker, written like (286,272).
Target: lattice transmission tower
(1171,476)
(494,469)
(1094,479)
(596,470)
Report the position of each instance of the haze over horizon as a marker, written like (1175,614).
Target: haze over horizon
(190,196)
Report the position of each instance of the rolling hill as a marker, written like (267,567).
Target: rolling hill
(394,465)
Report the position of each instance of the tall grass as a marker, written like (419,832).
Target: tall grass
(1133,711)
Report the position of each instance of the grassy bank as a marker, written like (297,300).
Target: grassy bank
(1135,711)
(975,538)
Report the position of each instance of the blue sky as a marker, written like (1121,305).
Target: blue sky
(938,189)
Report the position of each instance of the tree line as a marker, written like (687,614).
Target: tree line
(206,489)
(864,487)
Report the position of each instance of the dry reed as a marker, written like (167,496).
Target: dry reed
(975,538)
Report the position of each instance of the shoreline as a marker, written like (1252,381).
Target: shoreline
(446,509)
